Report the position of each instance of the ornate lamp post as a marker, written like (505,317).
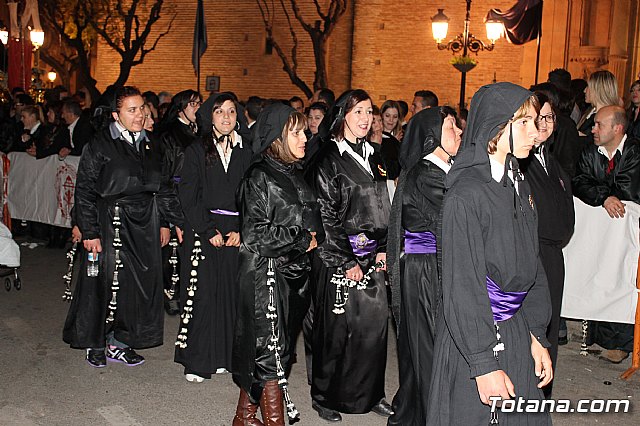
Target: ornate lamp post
(465,43)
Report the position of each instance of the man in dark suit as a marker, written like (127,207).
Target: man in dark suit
(80,129)
(607,174)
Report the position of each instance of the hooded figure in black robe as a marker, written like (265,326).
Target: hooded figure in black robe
(279,216)
(489,232)
(551,190)
(413,266)
(113,172)
(350,348)
(207,194)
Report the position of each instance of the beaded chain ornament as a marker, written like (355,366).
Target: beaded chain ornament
(67,296)
(274,346)
(493,418)
(173,261)
(343,284)
(187,310)
(117,244)
(584,349)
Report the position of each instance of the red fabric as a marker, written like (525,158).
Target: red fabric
(611,165)
(18,78)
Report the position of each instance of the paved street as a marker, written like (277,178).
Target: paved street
(44,382)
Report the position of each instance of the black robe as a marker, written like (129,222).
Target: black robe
(278,210)
(204,188)
(567,145)
(350,350)
(551,190)
(112,172)
(593,186)
(420,293)
(488,230)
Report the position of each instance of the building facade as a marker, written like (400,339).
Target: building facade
(385,47)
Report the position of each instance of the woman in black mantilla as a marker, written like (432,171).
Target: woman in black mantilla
(551,190)
(121,203)
(212,171)
(431,140)
(350,332)
(491,331)
(280,223)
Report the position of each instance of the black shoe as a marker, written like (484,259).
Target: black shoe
(563,340)
(326,413)
(382,408)
(126,356)
(172,307)
(96,358)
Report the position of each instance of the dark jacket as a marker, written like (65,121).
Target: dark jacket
(277,212)
(593,185)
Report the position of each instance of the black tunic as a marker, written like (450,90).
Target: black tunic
(204,188)
(278,210)
(350,350)
(551,190)
(487,230)
(420,293)
(593,186)
(112,172)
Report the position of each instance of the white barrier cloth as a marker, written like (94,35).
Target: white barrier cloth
(42,190)
(601,263)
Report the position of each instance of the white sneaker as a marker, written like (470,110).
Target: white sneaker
(194,378)
(221,371)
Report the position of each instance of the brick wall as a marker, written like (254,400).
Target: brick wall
(390,52)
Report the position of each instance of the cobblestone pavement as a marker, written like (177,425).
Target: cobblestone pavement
(44,382)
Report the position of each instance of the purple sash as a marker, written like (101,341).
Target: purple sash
(504,304)
(419,243)
(224,212)
(362,245)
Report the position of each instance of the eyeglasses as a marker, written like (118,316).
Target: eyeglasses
(549,118)
(194,104)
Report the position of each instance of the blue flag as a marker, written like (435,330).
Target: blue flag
(199,38)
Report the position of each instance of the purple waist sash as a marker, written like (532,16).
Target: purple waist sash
(504,304)
(224,212)
(419,243)
(362,245)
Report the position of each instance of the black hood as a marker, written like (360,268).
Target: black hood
(492,106)
(423,136)
(268,127)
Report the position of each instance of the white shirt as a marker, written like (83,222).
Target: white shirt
(185,122)
(367,150)
(124,133)
(497,171)
(541,159)
(602,150)
(71,127)
(34,128)
(226,157)
(443,165)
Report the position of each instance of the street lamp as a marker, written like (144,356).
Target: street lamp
(465,43)
(51,75)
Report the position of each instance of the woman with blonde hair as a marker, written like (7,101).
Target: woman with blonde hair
(601,90)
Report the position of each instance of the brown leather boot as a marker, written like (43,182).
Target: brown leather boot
(272,404)
(246,411)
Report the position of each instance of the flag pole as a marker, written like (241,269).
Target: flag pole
(538,42)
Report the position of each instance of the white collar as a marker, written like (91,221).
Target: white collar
(73,125)
(497,170)
(236,139)
(620,147)
(443,165)
(34,128)
(367,150)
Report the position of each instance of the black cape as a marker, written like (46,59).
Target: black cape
(204,188)
(112,171)
(278,210)
(349,350)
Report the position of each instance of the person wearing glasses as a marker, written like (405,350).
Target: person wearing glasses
(177,131)
(551,190)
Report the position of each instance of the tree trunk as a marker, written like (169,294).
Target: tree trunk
(125,71)
(320,52)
